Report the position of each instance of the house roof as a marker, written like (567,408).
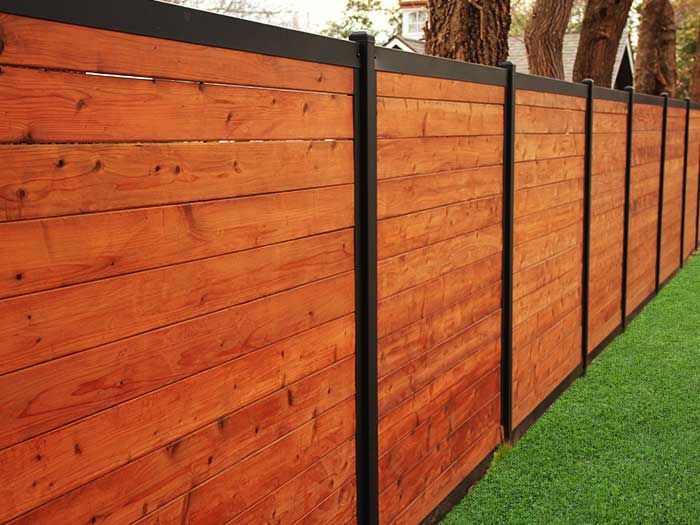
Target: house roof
(406,44)
(518,52)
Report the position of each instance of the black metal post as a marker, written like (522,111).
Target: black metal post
(507,263)
(366,400)
(662,173)
(587,181)
(685,177)
(628,183)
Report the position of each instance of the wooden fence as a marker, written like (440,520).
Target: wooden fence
(251,275)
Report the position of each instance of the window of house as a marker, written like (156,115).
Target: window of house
(414,23)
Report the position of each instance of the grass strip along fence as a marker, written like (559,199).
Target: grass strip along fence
(254,274)
(621,446)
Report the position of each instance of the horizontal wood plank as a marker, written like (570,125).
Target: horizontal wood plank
(48,253)
(41,43)
(152,480)
(43,106)
(400,85)
(43,326)
(415,156)
(46,180)
(44,397)
(428,118)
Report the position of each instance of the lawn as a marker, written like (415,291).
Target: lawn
(622,445)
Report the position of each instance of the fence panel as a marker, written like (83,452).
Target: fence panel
(693,174)
(180,194)
(177,309)
(439,198)
(644,202)
(548,231)
(673,193)
(608,164)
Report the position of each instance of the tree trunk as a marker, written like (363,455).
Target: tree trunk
(602,29)
(544,37)
(655,65)
(470,30)
(694,90)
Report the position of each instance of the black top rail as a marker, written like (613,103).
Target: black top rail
(396,61)
(550,85)
(614,95)
(160,20)
(642,98)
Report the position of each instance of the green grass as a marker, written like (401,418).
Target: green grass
(622,445)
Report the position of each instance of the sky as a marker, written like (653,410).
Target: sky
(307,15)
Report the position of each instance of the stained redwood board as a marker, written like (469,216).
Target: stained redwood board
(405,345)
(536,173)
(430,118)
(49,253)
(410,269)
(39,327)
(541,224)
(537,199)
(609,106)
(46,467)
(439,273)
(450,477)
(224,496)
(539,367)
(402,493)
(531,119)
(41,398)
(540,146)
(548,240)
(398,386)
(421,192)
(607,221)
(40,43)
(49,106)
(430,296)
(151,481)
(402,421)
(693,175)
(45,180)
(416,230)
(413,156)
(399,85)
(525,97)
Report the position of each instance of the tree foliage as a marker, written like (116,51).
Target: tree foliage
(364,15)
(687,31)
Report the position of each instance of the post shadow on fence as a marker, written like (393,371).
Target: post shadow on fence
(461,114)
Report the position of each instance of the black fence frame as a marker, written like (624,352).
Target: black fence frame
(167,21)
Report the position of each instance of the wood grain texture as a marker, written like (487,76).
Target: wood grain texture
(405,233)
(39,327)
(430,296)
(44,397)
(421,192)
(406,270)
(46,180)
(40,43)
(399,85)
(414,156)
(50,466)
(428,118)
(532,146)
(524,97)
(225,496)
(43,106)
(50,253)
(531,119)
(151,481)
